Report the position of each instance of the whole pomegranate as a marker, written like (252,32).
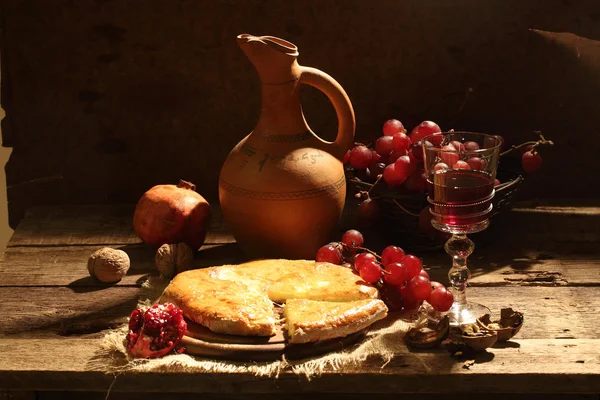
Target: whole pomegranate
(155,331)
(169,214)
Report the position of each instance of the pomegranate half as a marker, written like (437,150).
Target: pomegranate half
(155,331)
(169,214)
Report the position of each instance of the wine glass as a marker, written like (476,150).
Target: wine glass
(461,169)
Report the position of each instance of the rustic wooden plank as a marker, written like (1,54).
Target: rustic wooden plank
(85,225)
(63,310)
(54,395)
(17,395)
(494,269)
(527,366)
(550,312)
(67,265)
(93,225)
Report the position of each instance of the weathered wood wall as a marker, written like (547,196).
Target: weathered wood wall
(106,98)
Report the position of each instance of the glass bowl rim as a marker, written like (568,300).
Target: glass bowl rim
(478,151)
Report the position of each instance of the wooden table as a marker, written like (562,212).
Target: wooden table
(544,260)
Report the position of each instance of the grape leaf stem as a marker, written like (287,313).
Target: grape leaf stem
(532,143)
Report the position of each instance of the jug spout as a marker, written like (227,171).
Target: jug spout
(273,58)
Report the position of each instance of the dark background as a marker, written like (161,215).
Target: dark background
(105,99)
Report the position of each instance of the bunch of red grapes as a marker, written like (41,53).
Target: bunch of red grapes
(400,277)
(397,159)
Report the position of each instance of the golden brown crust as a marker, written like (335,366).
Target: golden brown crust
(311,321)
(236,299)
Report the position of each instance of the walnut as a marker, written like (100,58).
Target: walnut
(172,259)
(108,265)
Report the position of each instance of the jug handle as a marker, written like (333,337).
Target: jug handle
(342,105)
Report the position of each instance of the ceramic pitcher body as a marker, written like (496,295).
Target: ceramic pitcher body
(282,188)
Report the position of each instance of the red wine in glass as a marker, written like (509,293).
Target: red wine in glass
(460,197)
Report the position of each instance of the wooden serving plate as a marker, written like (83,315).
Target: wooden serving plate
(201,341)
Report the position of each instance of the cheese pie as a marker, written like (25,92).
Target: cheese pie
(237,299)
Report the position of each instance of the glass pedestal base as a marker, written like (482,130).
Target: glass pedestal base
(462,314)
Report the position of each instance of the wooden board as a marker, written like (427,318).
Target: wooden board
(557,312)
(200,341)
(94,225)
(60,265)
(525,366)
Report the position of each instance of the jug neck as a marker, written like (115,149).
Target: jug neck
(281,111)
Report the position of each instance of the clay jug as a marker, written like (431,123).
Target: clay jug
(282,188)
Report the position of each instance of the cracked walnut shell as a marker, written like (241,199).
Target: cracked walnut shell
(108,265)
(172,259)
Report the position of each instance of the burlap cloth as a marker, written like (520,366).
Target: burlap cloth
(384,340)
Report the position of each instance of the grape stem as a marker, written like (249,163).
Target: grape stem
(533,144)
(360,248)
(375,184)
(404,209)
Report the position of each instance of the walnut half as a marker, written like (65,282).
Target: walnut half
(172,259)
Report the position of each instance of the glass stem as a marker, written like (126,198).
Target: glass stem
(459,247)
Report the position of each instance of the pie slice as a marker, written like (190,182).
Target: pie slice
(239,307)
(237,299)
(311,321)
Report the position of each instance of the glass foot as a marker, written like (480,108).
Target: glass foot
(462,314)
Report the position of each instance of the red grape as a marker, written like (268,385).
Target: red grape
(375,157)
(392,176)
(360,157)
(376,169)
(337,245)
(423,129)
(364,175)
(458,145)
(424,274)
(419,287)
(409,304)
(395,155)
(392,126)
(391,297)
(471,146)
(404,166)
(329,253)
(362,258)
(417,181)
(407,295)
(397,274)
(401,142)
(497,182)
(436,139)
(368,211)
(413,265)
(435,285)
(440,166)
(476,163)
(531,162)
(391,254)
(384,145)
(449,155)
(370,272)
(460,164)
(347,157)
(413,159)
(417,149)
(441,299)
(353,238)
